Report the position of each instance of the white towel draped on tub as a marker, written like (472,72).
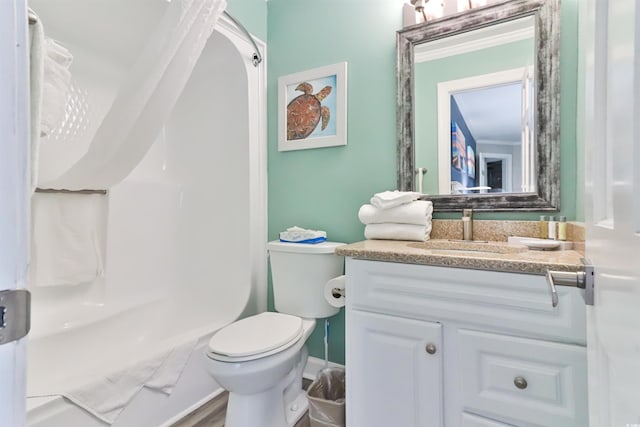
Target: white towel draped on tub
(68,238)
(108,396)
(418,212)
(392,231)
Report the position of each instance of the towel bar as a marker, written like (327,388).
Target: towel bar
(53,190)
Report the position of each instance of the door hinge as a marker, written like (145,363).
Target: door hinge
(583,279)
(15,315)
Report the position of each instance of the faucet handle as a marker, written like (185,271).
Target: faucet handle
(467,213)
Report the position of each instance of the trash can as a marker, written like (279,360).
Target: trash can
(326,397)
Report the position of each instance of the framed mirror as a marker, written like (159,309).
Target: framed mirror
(478,108)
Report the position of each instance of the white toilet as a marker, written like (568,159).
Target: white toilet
(260,359)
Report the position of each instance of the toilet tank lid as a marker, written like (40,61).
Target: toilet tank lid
(304,248)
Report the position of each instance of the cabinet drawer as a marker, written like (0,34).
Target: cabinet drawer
(518,304)
(469,420)
(523,381)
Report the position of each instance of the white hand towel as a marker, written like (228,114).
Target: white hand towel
(107,397)
(390,199)
(68,238)
(391,231)
(418,212)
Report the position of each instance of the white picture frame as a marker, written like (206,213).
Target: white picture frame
(310,115)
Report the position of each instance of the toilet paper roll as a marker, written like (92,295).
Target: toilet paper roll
(334,291)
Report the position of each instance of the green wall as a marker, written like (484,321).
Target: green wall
(324,188)
(252,14)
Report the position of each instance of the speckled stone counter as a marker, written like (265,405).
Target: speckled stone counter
(495,256)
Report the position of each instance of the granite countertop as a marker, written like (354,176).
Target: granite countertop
(495,256)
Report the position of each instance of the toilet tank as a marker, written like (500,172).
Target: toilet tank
(300,272)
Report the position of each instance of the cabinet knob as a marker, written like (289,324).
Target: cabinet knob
(520,382)
(431,348)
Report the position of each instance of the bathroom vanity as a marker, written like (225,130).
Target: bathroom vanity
(431,344)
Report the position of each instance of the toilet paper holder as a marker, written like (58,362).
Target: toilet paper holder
(338,292)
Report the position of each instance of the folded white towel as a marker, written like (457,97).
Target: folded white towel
(390,199)
(107,397)
(68,238)
(418,212)
(296,234)
(391,231)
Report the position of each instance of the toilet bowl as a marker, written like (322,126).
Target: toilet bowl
(260,359)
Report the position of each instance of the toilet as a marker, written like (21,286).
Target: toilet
(260,359)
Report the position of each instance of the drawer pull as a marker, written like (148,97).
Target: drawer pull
(431,348)
(520,382)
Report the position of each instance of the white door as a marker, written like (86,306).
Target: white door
(14,197)
(612,209)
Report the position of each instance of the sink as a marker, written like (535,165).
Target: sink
(455,246)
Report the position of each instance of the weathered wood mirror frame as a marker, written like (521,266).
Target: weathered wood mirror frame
(547,88)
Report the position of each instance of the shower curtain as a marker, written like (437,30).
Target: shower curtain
(146,98)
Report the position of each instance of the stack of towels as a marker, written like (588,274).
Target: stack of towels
(397,215)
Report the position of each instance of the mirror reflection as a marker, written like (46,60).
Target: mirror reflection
(474,111)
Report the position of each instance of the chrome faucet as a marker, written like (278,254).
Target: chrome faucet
(467,224)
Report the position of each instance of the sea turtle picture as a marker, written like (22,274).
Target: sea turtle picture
(305,111)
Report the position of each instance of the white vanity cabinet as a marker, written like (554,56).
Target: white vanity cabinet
(435,346)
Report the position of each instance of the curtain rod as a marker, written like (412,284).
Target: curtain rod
(257,57)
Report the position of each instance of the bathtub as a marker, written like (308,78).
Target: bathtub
(185,233)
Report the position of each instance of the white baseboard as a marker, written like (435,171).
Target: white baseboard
(314,365)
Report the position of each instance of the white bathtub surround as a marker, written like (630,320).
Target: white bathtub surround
(146,97)
(391,231)
(390,199)
(418,213)
(106,397)
(68,238)
(177,267)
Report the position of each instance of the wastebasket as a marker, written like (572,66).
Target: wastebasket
(326,397)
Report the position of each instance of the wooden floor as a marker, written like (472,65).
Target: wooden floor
(212,413)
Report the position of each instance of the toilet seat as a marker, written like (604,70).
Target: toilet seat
(255,337)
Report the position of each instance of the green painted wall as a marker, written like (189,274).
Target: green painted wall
(324,188)
(427,76)
(252,14)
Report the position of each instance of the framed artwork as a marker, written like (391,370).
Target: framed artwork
(458,148)
(312,108)
(471,162)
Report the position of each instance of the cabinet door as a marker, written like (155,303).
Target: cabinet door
(393,379)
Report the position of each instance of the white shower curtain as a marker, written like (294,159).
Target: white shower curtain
(146,98)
